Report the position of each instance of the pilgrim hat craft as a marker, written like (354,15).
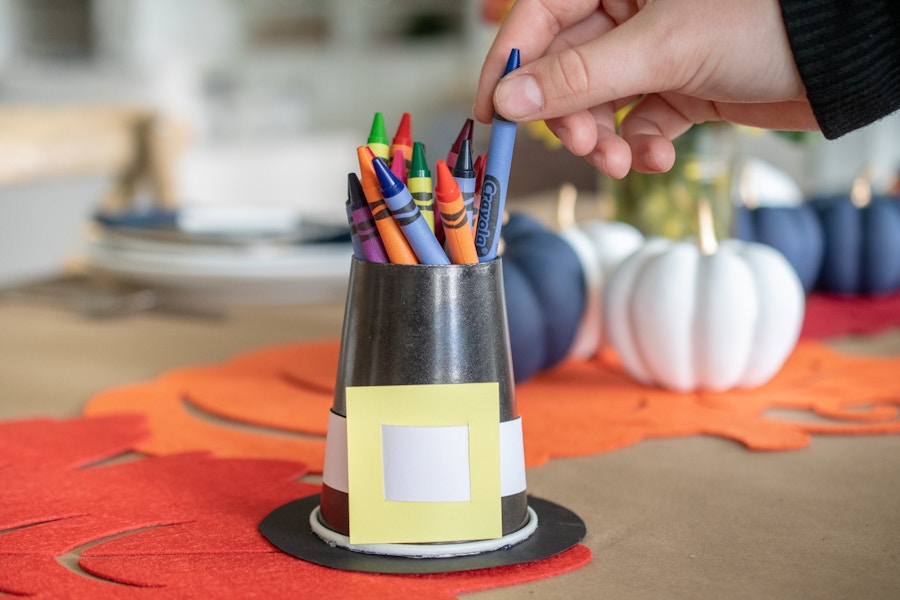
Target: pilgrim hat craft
(424,464)
(424,459)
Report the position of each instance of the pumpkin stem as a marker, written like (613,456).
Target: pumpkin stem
(706,231)
(861,189)
(565,206)
(745,186)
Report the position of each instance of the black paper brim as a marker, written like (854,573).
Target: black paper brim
(287,527)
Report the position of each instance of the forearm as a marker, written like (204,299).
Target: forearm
(848,55)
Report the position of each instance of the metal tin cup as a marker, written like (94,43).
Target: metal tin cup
(421,325)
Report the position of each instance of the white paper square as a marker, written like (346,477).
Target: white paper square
(426,464)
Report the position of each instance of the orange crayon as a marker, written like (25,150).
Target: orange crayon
(402,141)
(458,236)
(398,249)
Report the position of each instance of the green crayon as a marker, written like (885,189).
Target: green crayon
(420,184)
(378,141)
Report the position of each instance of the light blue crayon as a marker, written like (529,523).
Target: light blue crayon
(496,179)
(413,225)
(464,174)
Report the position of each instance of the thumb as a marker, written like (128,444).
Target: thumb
(619,64)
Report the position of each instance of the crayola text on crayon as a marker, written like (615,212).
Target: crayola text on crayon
(488,215)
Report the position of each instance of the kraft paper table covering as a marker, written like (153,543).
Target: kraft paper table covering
(661,514)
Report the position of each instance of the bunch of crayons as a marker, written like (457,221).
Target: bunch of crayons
(398,214)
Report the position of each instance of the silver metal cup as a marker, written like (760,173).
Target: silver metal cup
(424,324)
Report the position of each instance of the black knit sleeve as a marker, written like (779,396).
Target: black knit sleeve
(848,55)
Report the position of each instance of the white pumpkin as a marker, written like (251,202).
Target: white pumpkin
(687,319)
(600,246)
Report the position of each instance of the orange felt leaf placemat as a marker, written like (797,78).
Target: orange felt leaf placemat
(176,526)
(579,408)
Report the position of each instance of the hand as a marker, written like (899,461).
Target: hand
(680,62)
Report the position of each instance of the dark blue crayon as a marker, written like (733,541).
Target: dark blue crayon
(366,230)
(496,179)
(464,174)
(354,236)
(407,215)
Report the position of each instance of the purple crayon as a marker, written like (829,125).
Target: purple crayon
(358,251)
(402,205)
(372,248)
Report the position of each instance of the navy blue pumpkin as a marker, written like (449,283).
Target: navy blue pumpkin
(545,295)
(795,231)
(862,245)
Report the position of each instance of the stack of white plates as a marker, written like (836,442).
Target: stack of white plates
(214,269)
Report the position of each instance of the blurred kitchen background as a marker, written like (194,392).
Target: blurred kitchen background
(145,107)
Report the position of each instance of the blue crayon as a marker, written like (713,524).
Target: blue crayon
(496,179)
(354,236)
(417,232)
(464,174)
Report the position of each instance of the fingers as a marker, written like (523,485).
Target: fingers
(644,142)
(592,134)
(651,153)
(531,26)
(612,155)
(577,132)
(621,10)
(657,119)
(595,24)
(625,61)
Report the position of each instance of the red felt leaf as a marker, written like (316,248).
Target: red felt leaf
(185,524)
(829,315)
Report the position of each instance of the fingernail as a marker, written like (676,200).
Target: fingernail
(564,136)
(598,159)
(519,97)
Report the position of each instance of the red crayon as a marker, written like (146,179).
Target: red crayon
(459,241)
(403,141)
(464,134)
(398,249)
(479,179)
(439,227)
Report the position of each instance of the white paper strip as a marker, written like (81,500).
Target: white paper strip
(334,471)
(512,456)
